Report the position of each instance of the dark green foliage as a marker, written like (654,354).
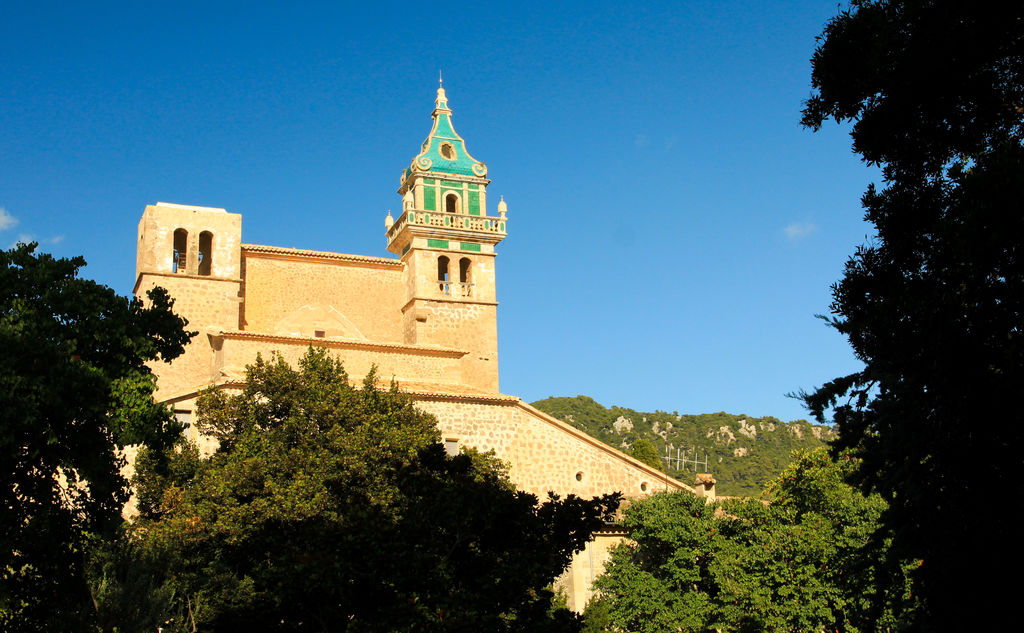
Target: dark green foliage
(744,453)
(933,306)
(74,388)
(334,508)
(800,562)
(792,564)
(662,581)
(127,583)
(644,451)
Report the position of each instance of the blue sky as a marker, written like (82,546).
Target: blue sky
(672,229)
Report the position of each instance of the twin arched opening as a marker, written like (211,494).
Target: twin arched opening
(180,262)
(464,287)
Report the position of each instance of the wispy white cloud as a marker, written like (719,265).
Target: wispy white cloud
(23,238)
(800,230)
(6,219)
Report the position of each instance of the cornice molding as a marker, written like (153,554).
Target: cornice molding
(339,343)
(298,254)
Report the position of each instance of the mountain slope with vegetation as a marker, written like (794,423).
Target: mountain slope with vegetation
(743,453)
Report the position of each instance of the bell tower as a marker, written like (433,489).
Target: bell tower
(446,241)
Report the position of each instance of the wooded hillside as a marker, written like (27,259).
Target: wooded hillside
(744,453)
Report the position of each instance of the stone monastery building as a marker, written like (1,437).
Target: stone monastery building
(425,316)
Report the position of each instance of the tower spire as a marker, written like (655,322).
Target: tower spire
(442,100)
(444,186)
(444,151)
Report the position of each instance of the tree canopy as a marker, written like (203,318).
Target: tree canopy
(644,451)
(328,507)
(933,305)
(795,563)
(74,389)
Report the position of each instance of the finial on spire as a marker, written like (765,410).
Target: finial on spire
(442,100)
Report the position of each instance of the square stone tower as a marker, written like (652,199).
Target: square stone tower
(446,241)
(195,253)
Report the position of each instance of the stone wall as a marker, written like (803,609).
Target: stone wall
(543,453)
(210,305)
(460,325)
(577,583)
(368,292)
(403,363)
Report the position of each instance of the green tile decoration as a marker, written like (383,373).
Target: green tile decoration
(474,203)
(469,246)
(444,127)
(443,132)
(437,243)
(430,199)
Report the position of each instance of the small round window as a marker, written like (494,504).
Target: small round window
(448,151)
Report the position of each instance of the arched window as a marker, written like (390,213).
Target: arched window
(179,260)
(465,281)
(451,203)
(205,252)
(444,281)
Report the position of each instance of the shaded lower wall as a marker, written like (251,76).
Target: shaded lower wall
(545,454)
(577,583)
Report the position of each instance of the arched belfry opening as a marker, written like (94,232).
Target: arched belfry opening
(443,279)
(451,203)
(205,253)
(465,279)
(179,257)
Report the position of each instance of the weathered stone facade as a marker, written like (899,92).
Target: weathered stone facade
(427,320)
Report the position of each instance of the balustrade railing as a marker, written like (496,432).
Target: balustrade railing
(455,288)
(440,219)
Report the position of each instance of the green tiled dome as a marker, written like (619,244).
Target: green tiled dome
(444,151)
